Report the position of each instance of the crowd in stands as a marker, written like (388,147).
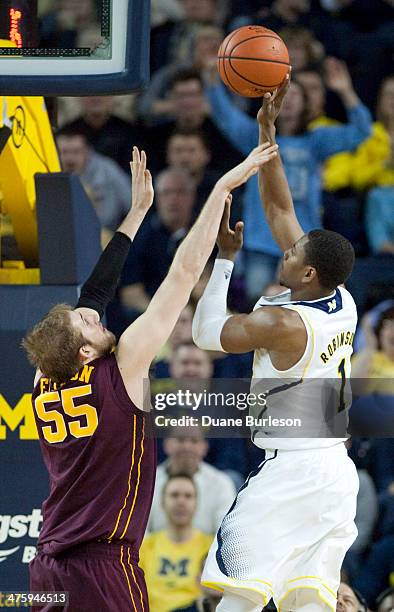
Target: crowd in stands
(336,138)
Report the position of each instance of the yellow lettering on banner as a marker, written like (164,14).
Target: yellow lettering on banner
(23,412)
(86,410)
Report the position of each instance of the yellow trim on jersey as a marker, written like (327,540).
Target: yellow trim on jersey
(221,586)
(138,480)
(314,578)
(332,607)
(127,578)
(129,481)
(134,578)
(315,588)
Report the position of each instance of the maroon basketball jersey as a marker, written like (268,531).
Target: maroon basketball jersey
(100,456)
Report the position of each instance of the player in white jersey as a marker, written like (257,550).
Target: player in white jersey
(287,532)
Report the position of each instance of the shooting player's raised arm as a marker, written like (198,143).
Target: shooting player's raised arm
(273,186)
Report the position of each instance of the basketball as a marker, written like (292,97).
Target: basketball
(252,60)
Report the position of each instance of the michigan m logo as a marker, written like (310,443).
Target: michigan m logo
(332,306)
(22,415)
(179,568)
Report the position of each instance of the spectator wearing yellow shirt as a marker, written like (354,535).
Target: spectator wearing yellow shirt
(373,366)
(172,558)
(372,164)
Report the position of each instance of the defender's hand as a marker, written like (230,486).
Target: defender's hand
(142,187)
(240,174)
(229,241)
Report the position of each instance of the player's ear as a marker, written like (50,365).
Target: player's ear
(309,275)
(86,352)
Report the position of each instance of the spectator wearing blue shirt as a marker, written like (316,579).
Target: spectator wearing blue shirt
(302,153)
(379,219)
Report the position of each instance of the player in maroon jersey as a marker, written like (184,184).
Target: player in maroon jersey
(88,405)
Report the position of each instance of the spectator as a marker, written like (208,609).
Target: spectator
(386,516)
(190,363)
(105,182)
(60,27)
(186,454)
(379,219)
(366,515)
(191,113)
(304,50)
(367,24)
(171,42)
(385,601)
(347,600)
(155,104)
(302,153)
(377,570)
(377,457)
(172,558)
(372,164)
(189,151)
(373,366)
(165,10)
(107,133)
(157,240)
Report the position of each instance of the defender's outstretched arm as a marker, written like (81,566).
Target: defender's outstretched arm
(142,340)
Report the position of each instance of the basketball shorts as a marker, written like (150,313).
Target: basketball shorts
(288,530)
(97,576)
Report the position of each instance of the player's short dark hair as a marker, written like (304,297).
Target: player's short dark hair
(331,254)
(178,475)
(186,74)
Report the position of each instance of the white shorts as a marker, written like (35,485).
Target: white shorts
(288,530)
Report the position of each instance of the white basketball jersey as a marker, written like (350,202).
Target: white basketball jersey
(316,382)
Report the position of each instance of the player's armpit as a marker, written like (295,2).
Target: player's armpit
(269,327)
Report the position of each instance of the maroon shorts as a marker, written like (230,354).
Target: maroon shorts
(98,577)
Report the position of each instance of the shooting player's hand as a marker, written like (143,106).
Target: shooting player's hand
(272,103)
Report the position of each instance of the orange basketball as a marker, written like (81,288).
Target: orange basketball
(253,60)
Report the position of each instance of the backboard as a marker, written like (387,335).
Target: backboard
(73,47)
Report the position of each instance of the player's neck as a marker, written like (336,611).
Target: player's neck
(180,534)
(310,294)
